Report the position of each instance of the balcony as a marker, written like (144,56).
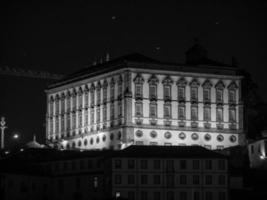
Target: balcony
(220,126)
(153,98)
(207,125)
(232,126)
(167,122)
(153,122)
(194,124)
(138,121)
(181,124)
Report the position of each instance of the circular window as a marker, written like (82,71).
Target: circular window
(104,138)
(111,136)
(91,141)
(97,140)
(85,142)
(194,136)
(207,137)
(167,135)
(79,143)
(139,133)
(232,138)
(182,135)
(119,135)
(153,134)
(220,138)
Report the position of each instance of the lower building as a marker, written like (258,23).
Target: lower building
(134,173)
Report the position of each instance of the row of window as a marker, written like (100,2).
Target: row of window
(158,179)
(182,135)
(171,195)
(167,112)
(181,89)
(171,164)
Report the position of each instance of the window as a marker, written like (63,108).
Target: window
(92,97)
(219,95)
(183,195)
(181,93)
(86,100)
(156,164)
(112,111)
(131,195)
(80,100)
(182,164)
(68,103)
(221,165)
(152,91)
(80,119)
(167,92)
(112,92)
(196,195)
(170,180)
(196,180)
(74,120)
(196,164)
(98,95)
(222,195)
(194,95)
(167,110)
(183,179)
(92,117)
(143,179)
(144,195)
(104,113)
(206,94)
(207,114)
(208,179)
(117,179)
(156,179)
(252,149)
(181,112)
(219,114)
(138,90)
(221,180)
(131,179)
(131,164)
(208,164)
(85,117)
(170,195)
(62,105)
(170,165)
(119,108)
(117,164)
(156,195)
(153,110)
(143,164)
(95,182)
(232,115)
(208,195)
(194,113)
(139,108)
(231,96)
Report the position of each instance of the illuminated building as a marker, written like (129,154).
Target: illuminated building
(137,100)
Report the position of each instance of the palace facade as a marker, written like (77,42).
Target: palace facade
(138,100)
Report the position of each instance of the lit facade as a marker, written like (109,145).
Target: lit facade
(127,101)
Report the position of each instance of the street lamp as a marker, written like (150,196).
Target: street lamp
(3,127)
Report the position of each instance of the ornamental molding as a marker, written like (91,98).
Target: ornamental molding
(167,81)
(207,84)
(105,84)
(153,79)
(194,83)
(181,82)
(220,85)
(138,79)
(232,86)
(120,79)
(98,86)
(112,82)
(92,88)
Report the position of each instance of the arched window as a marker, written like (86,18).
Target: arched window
(219,92)
(167,88)
(194,90)
(153,81)
(207,91)
(138,80)
(232,92)
(181,84)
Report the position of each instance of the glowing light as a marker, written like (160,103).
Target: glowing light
(262,157)
(7,152)
(21,149)
(64,142)
(16,136)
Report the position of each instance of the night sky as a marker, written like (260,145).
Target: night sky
(64,37)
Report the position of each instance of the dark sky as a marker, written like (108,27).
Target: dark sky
(63,37)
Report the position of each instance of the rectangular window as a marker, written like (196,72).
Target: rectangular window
(221,180)
(170,180)
(194,113)
(98,96)
(196,195)
(112,92)
(231,96)
(68,122)
(181,93)
(92,117)
(85,117)
(222,195)
(92,98)
(196,180)
(74,120)
(144,195)
(182,164)
(112,114)
(221,164)
(74,102)
(86,100)
(138,108)
(117,179)
(170,195)
(119,108)
(170,165)
(208,195)
(95,182)
(167,110)
(219,114)
(131,195)
(68,104)
(105,94)
(181,112)
(206,94)
(80,100)
(156,179)
(219,95)
(131,179)
(117,164)
(138,90)
(232,115)
(143,179)
(167,92)
(104,113)
(194,95)
(153,91)
(62,106)
(120,89)
(207,114)
(183,179)
(131,164)
(208,179)
(80,119)
(153,110)
(208,164)
(156,164)
(156,195)
(196,164)
(143,164)
(183,195)
(98,115)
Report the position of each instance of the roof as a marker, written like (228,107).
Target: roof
(136,60)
